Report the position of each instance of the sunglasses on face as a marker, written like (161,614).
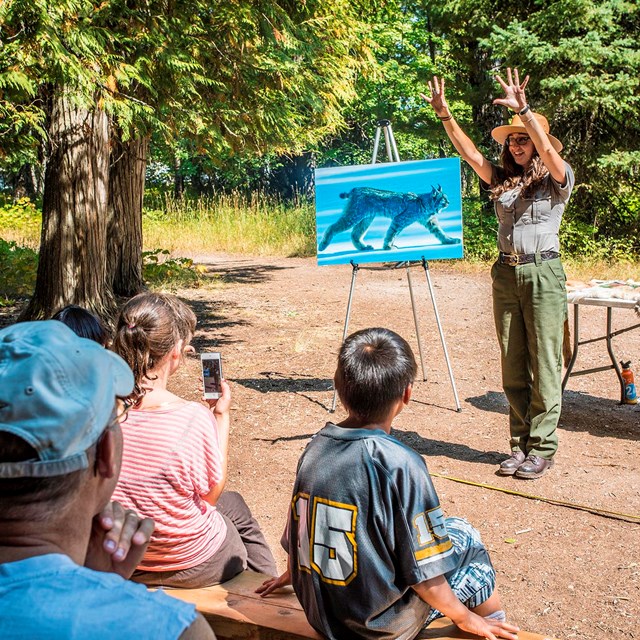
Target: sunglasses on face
(518,140)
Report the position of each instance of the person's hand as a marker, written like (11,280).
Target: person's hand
(491,629)
(436,97)
(119,538)
(221,405)
(514,97)
(268,586)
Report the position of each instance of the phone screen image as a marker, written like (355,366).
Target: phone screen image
(212,374)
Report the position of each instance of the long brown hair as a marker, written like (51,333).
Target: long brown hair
(518,177)
(149,327)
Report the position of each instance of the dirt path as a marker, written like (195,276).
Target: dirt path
(279,322)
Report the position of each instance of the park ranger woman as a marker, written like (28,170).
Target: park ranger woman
(530,190)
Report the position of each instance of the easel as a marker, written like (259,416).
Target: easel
(384,126)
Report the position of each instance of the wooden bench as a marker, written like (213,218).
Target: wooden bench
(234,610)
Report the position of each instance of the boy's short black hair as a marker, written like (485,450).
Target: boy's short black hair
(84,323)
(375,366)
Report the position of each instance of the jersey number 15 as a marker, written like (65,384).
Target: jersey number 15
(330,547)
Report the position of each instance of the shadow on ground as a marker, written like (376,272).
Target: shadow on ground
(456,451)
(213,322)
(243,273)
(280,383)
(274,382)
(490,401)
(602,417)
(435,405)
(304,436)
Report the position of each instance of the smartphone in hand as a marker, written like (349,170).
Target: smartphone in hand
(212,374)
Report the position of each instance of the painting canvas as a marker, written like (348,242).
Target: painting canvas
(390,212)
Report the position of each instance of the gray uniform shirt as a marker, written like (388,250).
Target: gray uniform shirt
(531,224)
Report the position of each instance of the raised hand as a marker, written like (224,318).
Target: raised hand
(514,97)
(436,97)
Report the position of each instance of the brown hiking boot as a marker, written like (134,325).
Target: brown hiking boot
(533,467)
(509,466)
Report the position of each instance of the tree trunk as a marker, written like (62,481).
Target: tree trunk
(178,179)
(124,237)
(72,264)
(27,183)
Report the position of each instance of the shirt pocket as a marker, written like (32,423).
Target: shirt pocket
(541,206)
(506,207)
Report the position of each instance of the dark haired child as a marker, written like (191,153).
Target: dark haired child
(84,324)
(371,554)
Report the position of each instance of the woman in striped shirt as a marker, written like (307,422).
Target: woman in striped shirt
(174,463)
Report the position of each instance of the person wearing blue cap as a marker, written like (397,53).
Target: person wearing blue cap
(65,549)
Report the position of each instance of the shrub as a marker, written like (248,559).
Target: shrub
(480,229)
(159,270)
(18,268)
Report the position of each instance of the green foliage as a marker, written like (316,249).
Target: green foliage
(403,49)
(22,218)
(18,268)
(584,63)
(259,75)
(162,271)
(42,45)
(480,229)
(581,241)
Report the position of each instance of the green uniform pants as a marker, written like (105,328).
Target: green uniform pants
(530,307)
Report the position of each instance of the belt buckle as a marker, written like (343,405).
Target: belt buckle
(512,259)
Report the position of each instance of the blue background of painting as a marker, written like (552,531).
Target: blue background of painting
(412,243)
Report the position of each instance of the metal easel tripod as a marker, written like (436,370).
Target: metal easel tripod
(384,127)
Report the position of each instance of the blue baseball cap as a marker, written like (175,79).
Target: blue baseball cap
(58,393)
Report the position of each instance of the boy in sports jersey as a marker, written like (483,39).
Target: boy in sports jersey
(371,554)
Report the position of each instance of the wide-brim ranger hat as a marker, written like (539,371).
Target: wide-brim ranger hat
(58,393)
(500,134)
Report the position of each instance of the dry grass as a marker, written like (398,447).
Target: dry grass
(28,239)
(231,224)
(585,270)
(578,270)
(262,226)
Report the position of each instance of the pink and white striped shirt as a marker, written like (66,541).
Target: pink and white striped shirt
(170,461)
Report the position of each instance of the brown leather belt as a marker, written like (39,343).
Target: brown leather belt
(513,259)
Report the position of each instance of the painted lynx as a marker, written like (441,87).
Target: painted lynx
(365,203)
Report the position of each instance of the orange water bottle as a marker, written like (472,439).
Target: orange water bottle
(630,395)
